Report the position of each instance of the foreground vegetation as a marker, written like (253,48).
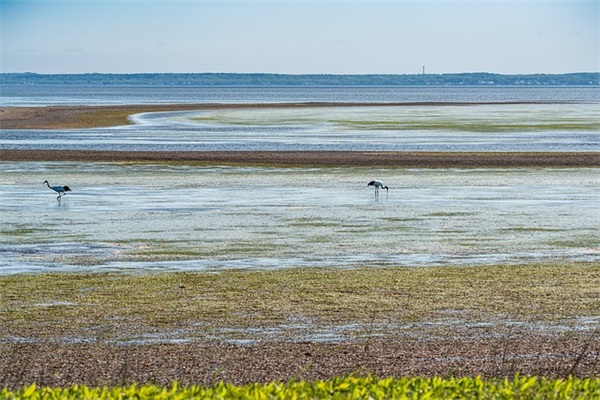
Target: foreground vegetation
(244,326)
(338,388)
(245,305)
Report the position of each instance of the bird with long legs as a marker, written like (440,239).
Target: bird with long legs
(61,190)
(378,185)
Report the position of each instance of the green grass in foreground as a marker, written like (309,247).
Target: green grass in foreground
(339,388)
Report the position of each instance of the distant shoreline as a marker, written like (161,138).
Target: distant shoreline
(306,80)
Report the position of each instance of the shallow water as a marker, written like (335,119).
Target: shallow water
(182,217)
(43,95)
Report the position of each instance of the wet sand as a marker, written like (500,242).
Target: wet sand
(68,117)
(72,117)
(318,158)
(59,364)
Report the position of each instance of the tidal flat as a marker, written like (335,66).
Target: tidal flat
(244,245)
(175,217)
(154,272)
(405,127)
(245,326)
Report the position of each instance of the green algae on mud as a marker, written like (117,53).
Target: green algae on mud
(475,118)
(76,117)
(306,159)
(299,303)
(468,126)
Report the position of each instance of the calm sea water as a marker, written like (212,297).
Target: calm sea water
(97,95)
(557,119)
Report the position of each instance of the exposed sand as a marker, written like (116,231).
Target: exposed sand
(60,364)
(65,117)
(318,158)
(75,117)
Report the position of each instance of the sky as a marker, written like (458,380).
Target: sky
(300,37)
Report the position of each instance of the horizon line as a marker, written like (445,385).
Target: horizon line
(297,74)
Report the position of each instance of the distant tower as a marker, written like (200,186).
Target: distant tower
(423,70)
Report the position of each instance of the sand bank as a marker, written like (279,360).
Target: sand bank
(318,158)
(67,117)
(76,117)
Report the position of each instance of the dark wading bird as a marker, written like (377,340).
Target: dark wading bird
(378,185)
(61,190)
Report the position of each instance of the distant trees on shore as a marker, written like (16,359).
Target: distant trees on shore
(230,79)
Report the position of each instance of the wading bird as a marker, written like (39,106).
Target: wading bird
(378,185)
(61,190)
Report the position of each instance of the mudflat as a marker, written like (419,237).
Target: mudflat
(73,117)
(97,364)
(318,158)
(245,326)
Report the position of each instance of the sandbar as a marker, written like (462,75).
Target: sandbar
(319,158)
(77,117)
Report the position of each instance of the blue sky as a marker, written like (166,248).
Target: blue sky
(329,37)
